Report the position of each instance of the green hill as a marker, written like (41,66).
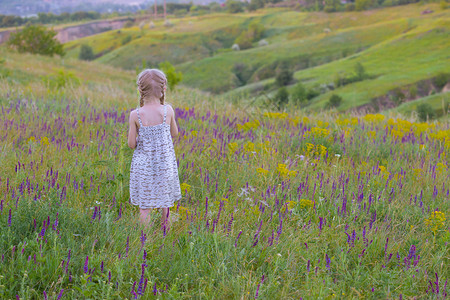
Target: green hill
(397,46)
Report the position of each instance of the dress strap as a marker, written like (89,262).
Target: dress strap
(139,117)
(165,113)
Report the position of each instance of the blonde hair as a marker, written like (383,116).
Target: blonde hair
(151,82)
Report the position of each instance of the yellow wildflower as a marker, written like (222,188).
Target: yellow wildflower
(262,171)
(306,204)
(185,188)
(436,221)
(232,147)
(45,141)
(249,147)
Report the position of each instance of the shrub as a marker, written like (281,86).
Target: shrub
(173,77)
(334,101)
(284,75)
(425,112)
(36,39)
(443,5)
(254,32)
(298,95)
(398,96)
(126,39)
(255,4)
(242,73)
(86,53)
(234,6)
(413,91)
(360,71)
(312,93)
(362,4)
(441,80)
(350,7)
(281,97)
(128,24)
(61,79)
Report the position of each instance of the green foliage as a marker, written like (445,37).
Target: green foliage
(441,80)
(350,7)
(242,73)
(425,112)
(61,79)
(299,94)
(234,6)
(334,101)
(413,91)
(127,39)
(360,71)
(284,75)
(36,39)
(281,97)
(398,96)
(86,53)
(173,77)
(362,4)
(332,5)
(254,33)
(342,79)
(47,18)
(443,4)
(255,4)
(312,93)
(4,72)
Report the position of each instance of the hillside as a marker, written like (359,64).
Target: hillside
(275,205)
(398,46)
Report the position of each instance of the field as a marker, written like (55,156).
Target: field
(277,205)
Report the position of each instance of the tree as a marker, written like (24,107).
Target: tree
(86,53)
(36,39)
(360,71)
(281,97)
(284,75)
(173,77)
(441,80)
(242,73)
(335,101)
(254,33)
(425,112)
(234,6)
(362,4)
(298,95)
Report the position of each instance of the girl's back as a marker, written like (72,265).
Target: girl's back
(154,181)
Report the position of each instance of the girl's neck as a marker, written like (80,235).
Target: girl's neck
(151,101)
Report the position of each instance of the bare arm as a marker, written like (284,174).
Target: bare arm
(132,130)
(173,124)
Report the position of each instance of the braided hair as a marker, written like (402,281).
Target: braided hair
(151,82)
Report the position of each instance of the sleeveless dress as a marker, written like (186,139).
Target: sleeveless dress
(154,181)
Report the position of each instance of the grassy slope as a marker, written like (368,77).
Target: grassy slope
(410,57)
(437,101)
(398,44)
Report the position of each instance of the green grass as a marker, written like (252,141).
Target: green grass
(438,103)
(348,221)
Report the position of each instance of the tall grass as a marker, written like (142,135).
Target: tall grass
(275,206)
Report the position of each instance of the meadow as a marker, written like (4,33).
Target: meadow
(276,205)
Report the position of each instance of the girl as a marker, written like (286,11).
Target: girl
(154,181)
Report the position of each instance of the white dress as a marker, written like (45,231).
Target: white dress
(154,181)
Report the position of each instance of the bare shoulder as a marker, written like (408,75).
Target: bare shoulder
(133,115)
(170,110)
